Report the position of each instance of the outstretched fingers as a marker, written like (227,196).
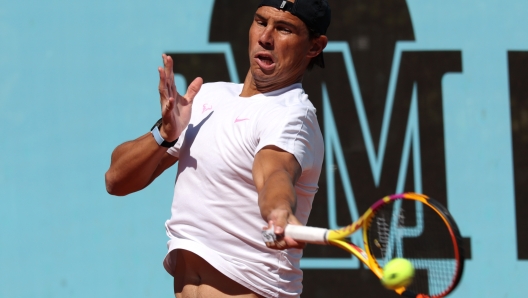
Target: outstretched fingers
(168,107)
(169,74)
(162,87)
(167,77)
(193,89)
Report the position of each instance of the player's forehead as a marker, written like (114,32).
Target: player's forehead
(276,15)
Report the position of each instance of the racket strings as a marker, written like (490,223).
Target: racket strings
(413,230)
(383,232)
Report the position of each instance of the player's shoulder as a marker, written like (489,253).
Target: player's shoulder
(294,99)
(211,93)
(223,87)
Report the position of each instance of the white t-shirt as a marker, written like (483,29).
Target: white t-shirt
(215,212)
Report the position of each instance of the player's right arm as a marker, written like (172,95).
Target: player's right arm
(135,164)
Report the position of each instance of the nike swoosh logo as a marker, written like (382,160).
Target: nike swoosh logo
(240,119)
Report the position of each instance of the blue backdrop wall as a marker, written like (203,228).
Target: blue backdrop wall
(77,78)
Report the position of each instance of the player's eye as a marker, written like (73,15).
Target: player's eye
(284,30)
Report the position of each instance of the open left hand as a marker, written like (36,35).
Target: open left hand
(175,109)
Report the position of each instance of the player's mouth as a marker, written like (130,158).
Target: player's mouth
(265,61)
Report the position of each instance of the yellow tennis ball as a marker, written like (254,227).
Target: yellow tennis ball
(397,273)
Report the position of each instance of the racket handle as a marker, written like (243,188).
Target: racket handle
(306,234)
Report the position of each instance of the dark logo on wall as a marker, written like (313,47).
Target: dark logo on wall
(518,75)
(380,108)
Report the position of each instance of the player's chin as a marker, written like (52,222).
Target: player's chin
(262,77)
(264,73)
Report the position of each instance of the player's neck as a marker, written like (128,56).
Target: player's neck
(251,87)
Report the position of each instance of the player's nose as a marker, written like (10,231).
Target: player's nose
(266,38)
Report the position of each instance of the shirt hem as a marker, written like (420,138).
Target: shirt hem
(212,260)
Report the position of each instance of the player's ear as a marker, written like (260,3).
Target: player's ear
(317,45)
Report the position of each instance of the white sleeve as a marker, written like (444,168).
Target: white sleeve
(294,129)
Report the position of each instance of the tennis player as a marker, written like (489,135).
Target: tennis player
(250,156)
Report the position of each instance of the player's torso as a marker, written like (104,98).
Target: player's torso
(222,135)
(215,183)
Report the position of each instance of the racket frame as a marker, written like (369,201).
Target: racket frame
(336,237)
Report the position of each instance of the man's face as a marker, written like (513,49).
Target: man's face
(279,47)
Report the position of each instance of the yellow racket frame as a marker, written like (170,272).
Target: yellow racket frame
(336,237)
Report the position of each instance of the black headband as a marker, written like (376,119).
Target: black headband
(314,13)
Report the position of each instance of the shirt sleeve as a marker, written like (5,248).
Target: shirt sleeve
(294,129)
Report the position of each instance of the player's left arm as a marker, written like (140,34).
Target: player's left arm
(275,173)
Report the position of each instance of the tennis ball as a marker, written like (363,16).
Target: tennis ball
(397,273)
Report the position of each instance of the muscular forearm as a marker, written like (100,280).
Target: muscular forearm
(275,173)
(277,202)
(277,194)
(133,165)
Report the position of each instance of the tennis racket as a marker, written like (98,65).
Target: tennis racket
(408,225)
